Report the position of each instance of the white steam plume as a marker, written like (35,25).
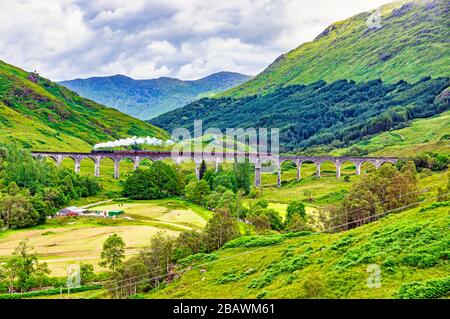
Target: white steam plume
(153,141)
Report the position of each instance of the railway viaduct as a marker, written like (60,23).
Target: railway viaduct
(257,159)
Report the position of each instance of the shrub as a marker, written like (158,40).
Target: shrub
(313,285)
(289,264)
(254,241)
(433,288)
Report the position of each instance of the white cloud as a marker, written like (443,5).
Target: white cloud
(64,39)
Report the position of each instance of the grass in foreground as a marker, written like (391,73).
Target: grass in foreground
(407,247)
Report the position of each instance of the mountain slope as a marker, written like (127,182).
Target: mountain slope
(145,99)
(338,113)
(410,246)
(424,135)
(410,42)
(42,115)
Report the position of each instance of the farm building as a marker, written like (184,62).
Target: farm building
(75,211)
(71,211)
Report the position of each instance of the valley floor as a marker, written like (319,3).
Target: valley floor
(256,272)
(64,241)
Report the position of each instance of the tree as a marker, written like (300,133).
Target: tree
(297,224)
(261,203)
(382,190)
(243,173)
(17,211)
(260,222)
(189,242)
(158,257)
(197,191)
(202,170)
(113,252)
(228,202)
(160,180)
(294,207)
(225,179)
(220,229)
(86,273)
(127,278)
(23,271)
(274,217)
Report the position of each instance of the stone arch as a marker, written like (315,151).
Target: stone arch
(367,166)
(270,174)
(69,162)
(124,165)
(348,168)
(289,169)
(328,167)
(49,159)
(145,162)
(307,167)
(87,165)
(106,166)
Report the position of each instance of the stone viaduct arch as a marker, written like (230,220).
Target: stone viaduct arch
(217,159)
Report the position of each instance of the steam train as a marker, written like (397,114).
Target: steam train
(169,153)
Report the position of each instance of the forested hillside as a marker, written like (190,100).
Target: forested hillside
(403,40)
(43,115)
(146,99)
(338,113)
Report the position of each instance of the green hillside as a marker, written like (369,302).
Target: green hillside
(410,247)
(411,42)
(320,114)
(424,135)
(42,115)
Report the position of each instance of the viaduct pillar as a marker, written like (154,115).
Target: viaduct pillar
(97,167)
(278,175)
(59,160)
(116,169)
(299,170)
(338,169)
(77,165)
(358,168)
(197,170)
(257,174)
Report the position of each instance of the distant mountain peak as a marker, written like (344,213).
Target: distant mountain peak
(147,98)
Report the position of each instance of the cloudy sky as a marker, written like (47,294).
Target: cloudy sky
(188,39)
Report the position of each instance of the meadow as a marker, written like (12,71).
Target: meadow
(64,241)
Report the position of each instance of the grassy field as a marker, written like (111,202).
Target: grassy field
(80,239)
(405,245)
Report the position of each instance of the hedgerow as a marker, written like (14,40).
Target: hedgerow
(48,292)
